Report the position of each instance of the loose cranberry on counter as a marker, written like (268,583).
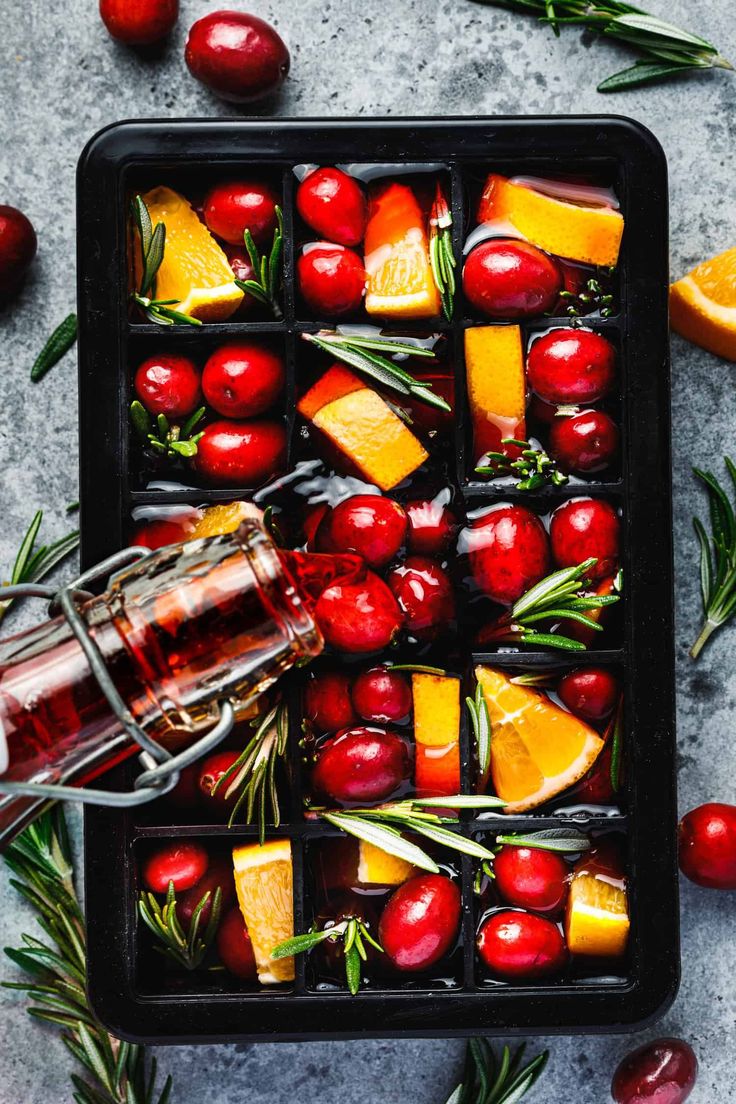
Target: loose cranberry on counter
(182,862)
(334,205)
(18,244)
(237,55)
(510,279)
(569,366)
(661,1072)
(243,379)
(424,592)
(369,524)
(591,693)
(586,442)
(327,701)
(168,384)
(521,945)
(421,921)
(211,771)
(358,617)
(361,764)
(234,946)
(331,279)
(509,552)
(383,695)
(708,845)
(241,453)
(432,526)
(219,876)
(139,22)
(532,878)
(235,206)
(585,527)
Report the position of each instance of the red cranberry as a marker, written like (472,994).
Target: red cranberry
(334,205)
(211,771)
(371,525)
(708,845)
(426,419)
(509,552)
(239,205)
(244,453)
(167,530)
(168,384)
(383,695)
(327,703)
(361,764)
(139,22)
(331,279)
(219,876)
(237,55)
(424,592)
(589,692)
(18,246)
(421,921)
(432,525)
(596,788)
(532,878)
(585,527)
(234,946)
(661,1072)
(568,366)
(243,379)
(358,617)
(585,442)
(510,279)
(521,945)
(242,267)
(347,906)
(182,862)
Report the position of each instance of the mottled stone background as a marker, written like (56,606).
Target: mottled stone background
(61,79)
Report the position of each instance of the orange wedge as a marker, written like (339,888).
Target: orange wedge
(538,749)
(400,281)
(597,918)
(377,867)
(224,517)
(195,272)
(703,305)
(264,883)
(494,365)
(349,863)
(436,701)
(589,234)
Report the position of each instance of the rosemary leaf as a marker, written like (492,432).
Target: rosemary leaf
(60,342)
(564,840)
(643,73)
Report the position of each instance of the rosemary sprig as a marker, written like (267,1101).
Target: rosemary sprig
(717,557)
(114,1072)
(616,735)
(163,437)
(33,564)
(368,354)
(266,281)
(593,298)
(489,1080)
(666,50)
(153,244)
(57,346)
(352,932)
(186,949)
(481,723)
(252,777)
(535,467)
(441,256)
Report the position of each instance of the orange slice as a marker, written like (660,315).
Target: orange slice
(703,305)
(597,918)
(376,867)
(436,734)
(264,883)
(195,272)
(591,235)
(224,517)
(538,749)
(349,863)
(400,281)
(494,364)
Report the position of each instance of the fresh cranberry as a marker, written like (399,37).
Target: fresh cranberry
(568,366)
(420,922)
(168,384)
(234,946)
(182,862)
(509,552)
(242,267)
(331,279)
(237,55)
(334,205)
(585,442)
(591,693)
(243,379)
(139,22)
(347,906)
(432,525)
(211,771)
(358,617)
(521,945)
(18,244)
(532,878)
(426,419)
(596,787)
(585,527)
(361,764)
(235,206)
(327,703)
(510,279)
(708,845)
(166,530)
(219,876)
(244,453)
(382,694)
(371,525)
(312,520)
(661,1072)
(424,592)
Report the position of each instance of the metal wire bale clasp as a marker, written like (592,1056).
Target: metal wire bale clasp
(161,767)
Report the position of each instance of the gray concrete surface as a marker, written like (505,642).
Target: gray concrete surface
(61,79)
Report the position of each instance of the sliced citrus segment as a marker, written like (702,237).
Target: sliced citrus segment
(224,517)
(436,701)
(494,364)
(597,919)
(578,231)
(336,382)
(195,272)
(538,749)
(703,305)
(377,867)
(264,883)
(400,281)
